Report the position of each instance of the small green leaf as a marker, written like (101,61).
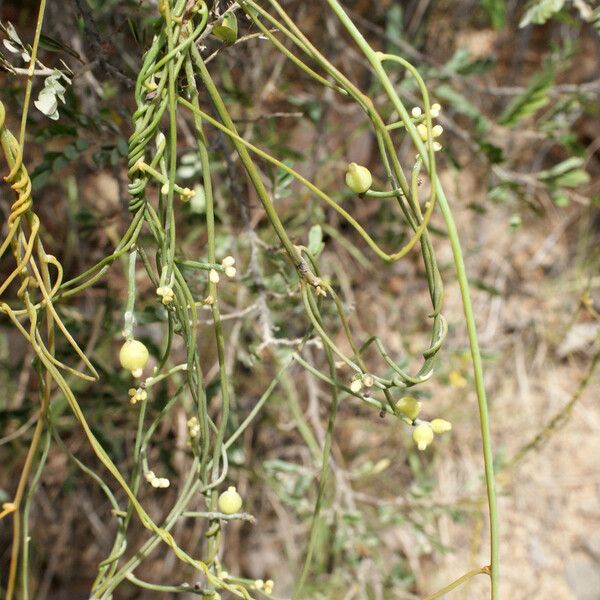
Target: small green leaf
(496,10)
(315,240)
(71,152)
(560,198)
(464,106)
(12,33)
(573,178)
(531,100)
(227,31)
(566,165)
(539,12)
(394,27)
(82,144)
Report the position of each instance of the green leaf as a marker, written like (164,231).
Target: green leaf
(227,31)
(566,174)
(539,12)
(462,105)
(530,101)
(560,198)
(496,10)
(560,169)
(315,240)
(394,27)
(573,178)
(461,62)
(53,45)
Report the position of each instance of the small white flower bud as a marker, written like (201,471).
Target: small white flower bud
(228,261)
(356,386)
(422,129)
(416,112)
(213,276)
(368,381)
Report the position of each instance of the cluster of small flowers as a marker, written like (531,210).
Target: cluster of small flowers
(361,381)
(137,395)
(436,130)
(265,586)
(193,427)
(423,433)
(185,194)
(228,265)
(157,482)
(166,294)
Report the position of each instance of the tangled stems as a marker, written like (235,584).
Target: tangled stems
(375,61)
(172,71)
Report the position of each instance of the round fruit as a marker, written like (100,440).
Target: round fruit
(358,178)
(230,501)
(423,436)
(409,406)
(133,355)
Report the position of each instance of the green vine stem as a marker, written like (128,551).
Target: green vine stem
(488,458)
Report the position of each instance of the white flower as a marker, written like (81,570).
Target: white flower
(367,380)
(356,386)
(228,261)
(422,129)
(166,293)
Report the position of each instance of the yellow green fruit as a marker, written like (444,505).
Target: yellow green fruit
(423,436)
(410,407)
(230,501)
(440,425)
(358,178)
(133,355)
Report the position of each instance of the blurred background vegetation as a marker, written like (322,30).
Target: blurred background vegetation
(519,86)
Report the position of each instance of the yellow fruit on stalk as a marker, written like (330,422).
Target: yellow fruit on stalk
(423,435)
(230,501)
(440,425)
(410,407)
(134,356)
(358,178)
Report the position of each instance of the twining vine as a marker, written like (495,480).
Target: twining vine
(174,80)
